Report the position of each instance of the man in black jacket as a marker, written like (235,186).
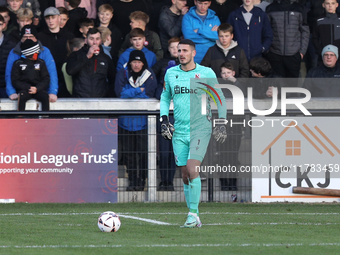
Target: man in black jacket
(5,47)
(290,37)
(55,39)
(323,81)
(92,70)
(170,22)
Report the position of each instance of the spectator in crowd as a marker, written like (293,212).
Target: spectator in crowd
(252,29)
(137,38)
(228,72)
(137,80)
(84,25)
(89,5)
(170,22)
(75,13)
(30,32)
(226,50)
(91,69)
(105,14)
(24,17)
(30,76)
(325,86)
(6,46)
(263,87)
(55,39)
(74,44)
(63,16)
(167,166)
(121,17)
(290,37)
(223,8)
(13,6)
(200,25)
(327,28)
(10,23)
(106,40)
(152,42)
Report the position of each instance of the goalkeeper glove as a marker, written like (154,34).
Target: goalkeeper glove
(220,132)
(167,128)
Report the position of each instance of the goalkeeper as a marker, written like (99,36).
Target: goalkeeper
(189,84)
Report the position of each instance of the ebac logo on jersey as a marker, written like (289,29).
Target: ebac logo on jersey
(184,90)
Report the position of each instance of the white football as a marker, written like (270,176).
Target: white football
(109,222)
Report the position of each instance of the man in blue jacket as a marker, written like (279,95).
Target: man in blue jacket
(200,25)
(30,32)
(136,80)
(252,29)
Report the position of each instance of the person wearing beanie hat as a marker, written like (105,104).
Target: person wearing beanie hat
(136,80)
(328,73)
(30,76)
(330,55)
(29,32)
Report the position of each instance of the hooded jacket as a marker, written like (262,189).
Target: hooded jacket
(45,55)
(92,77)
(234,54)
(204,37)
(290,28)
(254,38)
(125,87)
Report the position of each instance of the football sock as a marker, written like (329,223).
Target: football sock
(195,194)
(187,194)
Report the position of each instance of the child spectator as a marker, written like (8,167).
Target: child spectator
(24,17)
(63,16)
(75,13)
(226,50)
(30,76)
(152,42)
(327,28)
(106,40)
(105,14)
(84,25)
(263,88)
(227,72)
(137,39)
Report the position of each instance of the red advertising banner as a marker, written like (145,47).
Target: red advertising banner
(59,160)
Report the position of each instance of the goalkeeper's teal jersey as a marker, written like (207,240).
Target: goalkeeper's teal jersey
(186,89)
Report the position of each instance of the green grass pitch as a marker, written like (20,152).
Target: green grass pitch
(154,228)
